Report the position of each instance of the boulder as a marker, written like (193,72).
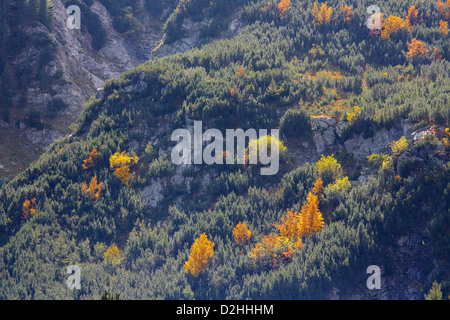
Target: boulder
(152,194)
(329,137)
(350,145)
(324,122)
(319,142)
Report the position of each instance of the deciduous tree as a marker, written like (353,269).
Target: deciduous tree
(392,25)
(416,48)
(346,12)
(323,15)
(443,26)
(112,255)
(120,163)
(412,15)
(94,190)
(314,218)
(28,208)
(329,169)
(241,233)
(201,252)
(90,161)
(284,6)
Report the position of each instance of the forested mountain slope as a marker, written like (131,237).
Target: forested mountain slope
(365,110)
(48,71)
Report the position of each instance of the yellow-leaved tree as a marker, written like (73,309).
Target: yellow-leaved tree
(264,144)
(392,25)
(399,146)
(201,251)
(323,15)
(329,169)
(292,228)
(241,233)
(112,255)
(311,213)
(120,163)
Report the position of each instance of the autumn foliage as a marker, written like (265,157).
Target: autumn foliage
(443,26)
(311,213)
(241,233)
(120,163)
(416,48)
(346,12)
(284,6)
(293,229)
(392,25)
(112,255)
(412,15)
(94,190)
(323,15)
(28,208)
(90,161)
(201,252)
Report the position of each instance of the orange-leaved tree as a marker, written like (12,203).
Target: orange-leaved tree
(120,163)
(412,15)
(443,26)
(284,6)
(241,71)
(416,48)
(264,250)
(90,161)
(323,15)
(318,187)
(346,12)
(28,208)
(94,190)
(441,8)
(201,252)
(241,233)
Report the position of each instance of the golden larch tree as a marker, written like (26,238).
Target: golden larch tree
(440,7)
(310,211)
(323,15)
(241,233)
(318,187)
(94,190)
(241,71)
(201,251)
(292,227)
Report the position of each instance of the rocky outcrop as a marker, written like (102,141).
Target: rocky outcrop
(328,134)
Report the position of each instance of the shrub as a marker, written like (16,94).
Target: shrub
(295,122)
